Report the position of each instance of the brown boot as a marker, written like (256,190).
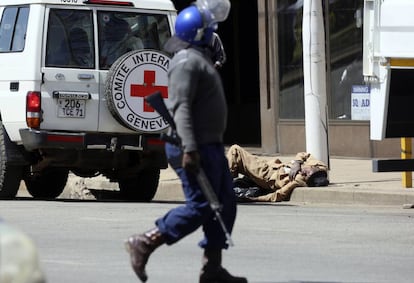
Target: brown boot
(213,272)
(140,248)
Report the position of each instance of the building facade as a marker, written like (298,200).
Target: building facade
(281,80)
(263,78)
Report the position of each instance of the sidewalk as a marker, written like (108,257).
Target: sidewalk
(351,182)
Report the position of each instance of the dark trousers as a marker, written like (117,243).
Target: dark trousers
(185,219)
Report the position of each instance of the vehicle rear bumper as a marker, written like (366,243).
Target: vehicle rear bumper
(38,139)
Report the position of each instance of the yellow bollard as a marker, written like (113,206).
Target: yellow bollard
(407,180)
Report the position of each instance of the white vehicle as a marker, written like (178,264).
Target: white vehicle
(73,77)
(388,66)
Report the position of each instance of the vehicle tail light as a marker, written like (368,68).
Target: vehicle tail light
(109,2)
(155,141)
(33,109)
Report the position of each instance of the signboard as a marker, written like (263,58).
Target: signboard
(360,102)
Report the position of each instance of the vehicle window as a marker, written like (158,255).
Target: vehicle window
(13,29)
(120,33)
(70,39)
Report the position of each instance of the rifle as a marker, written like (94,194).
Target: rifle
(156,101)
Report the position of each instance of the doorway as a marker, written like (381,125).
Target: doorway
(240,74)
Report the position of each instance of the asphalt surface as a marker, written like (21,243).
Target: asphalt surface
(82,241)
(342,248)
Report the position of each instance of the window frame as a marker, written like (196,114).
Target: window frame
(20,17)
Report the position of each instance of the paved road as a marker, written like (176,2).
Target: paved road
(82,242)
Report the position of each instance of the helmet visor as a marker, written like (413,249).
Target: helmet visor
(219,9)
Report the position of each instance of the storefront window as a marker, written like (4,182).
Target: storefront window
(291,104)
(345,46)
(345,37)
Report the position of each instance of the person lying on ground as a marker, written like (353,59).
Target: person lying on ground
(276,180)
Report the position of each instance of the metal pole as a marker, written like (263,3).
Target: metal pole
(314,70)
(407,180)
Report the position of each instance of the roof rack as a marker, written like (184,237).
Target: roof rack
(109,2)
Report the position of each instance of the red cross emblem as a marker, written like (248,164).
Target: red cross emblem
(148,88)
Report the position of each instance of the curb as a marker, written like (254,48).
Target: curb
(339,195)
(333,194)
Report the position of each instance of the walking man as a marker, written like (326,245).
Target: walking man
(200,114)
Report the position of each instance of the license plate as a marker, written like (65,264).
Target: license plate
(71,108)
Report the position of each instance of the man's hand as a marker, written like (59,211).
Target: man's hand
(294,170)
(218,65)
(191,161)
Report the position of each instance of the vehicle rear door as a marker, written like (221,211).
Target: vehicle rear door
(70,89)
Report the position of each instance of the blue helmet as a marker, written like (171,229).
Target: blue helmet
(194,27)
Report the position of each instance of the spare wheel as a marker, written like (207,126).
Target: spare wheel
(131,77)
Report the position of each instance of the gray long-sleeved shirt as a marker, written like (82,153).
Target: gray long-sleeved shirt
(198,101)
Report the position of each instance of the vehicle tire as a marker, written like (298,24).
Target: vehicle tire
(50,183)
(141,187)
(10,175)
